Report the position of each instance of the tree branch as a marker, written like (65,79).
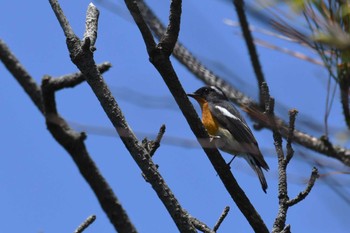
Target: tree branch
(221,219)
(290,152)
(21,75)
(154,145)
(68,31)
(85,224)
(185,57)
(169,38)
(72,80)
(91,24)
(141,24)
(302,195)
(73,143)
(82,57)
(344,85)
(248,38)
(284,201)
(160,60)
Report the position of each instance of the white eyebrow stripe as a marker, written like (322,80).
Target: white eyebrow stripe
(226,113)
(216,89)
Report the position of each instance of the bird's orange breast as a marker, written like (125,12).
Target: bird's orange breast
(208,120)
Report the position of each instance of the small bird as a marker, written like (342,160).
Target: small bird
(228,129)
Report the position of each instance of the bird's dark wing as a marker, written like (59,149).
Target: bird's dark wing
(229,118)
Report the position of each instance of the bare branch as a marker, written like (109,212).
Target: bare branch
(156,143)
(141,24)
(301,196)
(91,24)
(280,220)
(168,40)
(221,219)
(73,143)
(282,185)
(71,80)
(344,85)
(67,29)
(85,224)
(21,75)
(162,63)
(239,5)
(284,201)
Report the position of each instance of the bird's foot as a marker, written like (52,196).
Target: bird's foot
(229,163)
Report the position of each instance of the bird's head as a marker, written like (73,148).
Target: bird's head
(208,93)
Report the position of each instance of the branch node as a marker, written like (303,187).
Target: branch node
(199,225)
(325,140)
(87,44)
(152,145)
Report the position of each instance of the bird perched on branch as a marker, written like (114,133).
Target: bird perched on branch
(229,130)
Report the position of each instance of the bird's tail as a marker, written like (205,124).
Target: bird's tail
(257,168)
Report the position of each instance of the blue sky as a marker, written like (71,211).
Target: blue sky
(43,191)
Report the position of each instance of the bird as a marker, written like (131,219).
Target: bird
(228,129)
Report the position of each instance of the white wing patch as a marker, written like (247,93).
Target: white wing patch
(226,113)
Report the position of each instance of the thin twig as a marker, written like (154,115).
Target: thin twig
(267,100)
(156,143)
(282,185)
(280,220)
(221,218)
(168,40)
(21,75)
(290,152)
(239,5)
(301,196)
(85,224)
(72,80)
(67,29)
(141,24)
(284,201)
(91,23)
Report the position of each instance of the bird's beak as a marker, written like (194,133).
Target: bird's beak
(196,97)
(192,95)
